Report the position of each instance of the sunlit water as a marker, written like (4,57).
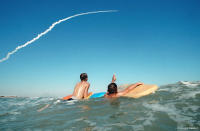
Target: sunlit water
(173,107)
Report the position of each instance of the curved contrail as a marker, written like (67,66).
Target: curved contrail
(49,29)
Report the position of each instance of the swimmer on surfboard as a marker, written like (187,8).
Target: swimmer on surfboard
(112,89)
(81,88)
(80,91)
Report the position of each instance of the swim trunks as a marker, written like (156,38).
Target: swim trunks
(72,98)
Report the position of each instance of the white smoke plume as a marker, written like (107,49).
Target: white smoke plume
(49,29)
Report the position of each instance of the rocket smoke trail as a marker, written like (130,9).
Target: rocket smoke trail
(47,30)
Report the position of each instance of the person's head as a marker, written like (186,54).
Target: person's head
(83,77)
(112,88)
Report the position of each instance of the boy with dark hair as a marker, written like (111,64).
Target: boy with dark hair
(112,89)
(81,88)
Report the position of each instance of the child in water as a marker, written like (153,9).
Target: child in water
(112,89)
(81,88)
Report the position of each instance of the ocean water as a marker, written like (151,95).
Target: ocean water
(173,107)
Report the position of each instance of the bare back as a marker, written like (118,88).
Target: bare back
(81,90)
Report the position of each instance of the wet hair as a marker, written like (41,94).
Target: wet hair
(83,76)
(112,88)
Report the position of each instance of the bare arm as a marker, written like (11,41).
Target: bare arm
(86,91)
(128,89)
(74,92)
(113,78)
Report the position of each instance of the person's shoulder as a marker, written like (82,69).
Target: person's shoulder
(111,96)
(78,83)
(106,96)
(119,94)
(88,83)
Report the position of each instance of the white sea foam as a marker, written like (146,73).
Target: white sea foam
(193,108)
(14,113)
(100,128)
(79,119)
(187,95)
(56,102)
(21,103)
(163,89)
(174,89)
(138,127)
(12,118)
(172,112)
(71,102)
(35,97)
(147,120)
(150,119)
(90,122)
(189,84)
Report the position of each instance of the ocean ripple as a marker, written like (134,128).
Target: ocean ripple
(173,107)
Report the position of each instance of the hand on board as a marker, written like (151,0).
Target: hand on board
(139,83)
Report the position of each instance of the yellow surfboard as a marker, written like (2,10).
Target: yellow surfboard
(141,90)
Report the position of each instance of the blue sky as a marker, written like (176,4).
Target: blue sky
(155,42)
